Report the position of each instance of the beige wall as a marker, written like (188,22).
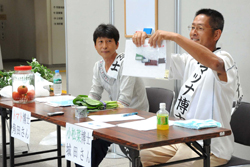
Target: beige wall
(50,38)
(82,19)
(30,32)
(235,38)
(43,52)
(19,30)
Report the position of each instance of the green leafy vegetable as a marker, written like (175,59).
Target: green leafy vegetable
(44,71)
(93,105)
(5,78)
(111,104)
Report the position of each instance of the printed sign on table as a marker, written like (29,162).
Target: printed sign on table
(20,125)
(78,144)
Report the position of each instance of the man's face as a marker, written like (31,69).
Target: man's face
(202,33)
(106,47)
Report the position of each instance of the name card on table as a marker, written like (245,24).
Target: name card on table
(20,125)
(78,144)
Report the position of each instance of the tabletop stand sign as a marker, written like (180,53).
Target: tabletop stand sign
(20,125)
(78,144)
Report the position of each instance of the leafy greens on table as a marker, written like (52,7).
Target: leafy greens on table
(94,105)
(6,80)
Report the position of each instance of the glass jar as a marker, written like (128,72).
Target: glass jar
(23,85)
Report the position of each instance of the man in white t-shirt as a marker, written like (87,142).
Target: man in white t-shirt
(107,73)
(128,91)
(211,83)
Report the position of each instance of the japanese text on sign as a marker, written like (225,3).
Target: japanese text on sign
(78,144)
(187,90)
(20,125)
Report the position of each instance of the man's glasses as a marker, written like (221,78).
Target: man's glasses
(198,28)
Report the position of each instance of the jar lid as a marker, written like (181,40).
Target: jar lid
(22,68)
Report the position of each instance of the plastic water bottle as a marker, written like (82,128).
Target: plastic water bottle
(162,117)
(57,83)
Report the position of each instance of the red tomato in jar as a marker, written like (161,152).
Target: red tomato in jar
(22,89)
(24,97)
(16,96)
(30,95)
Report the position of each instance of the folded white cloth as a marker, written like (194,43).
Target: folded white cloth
(197,124)
(6,91)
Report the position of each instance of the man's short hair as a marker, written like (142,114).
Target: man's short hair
(106,31)
(216,20)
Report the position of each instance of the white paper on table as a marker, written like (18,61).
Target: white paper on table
(143,125)
(56,101)
(114,117)
(95,125)
(133,67)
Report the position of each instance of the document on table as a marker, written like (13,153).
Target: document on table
(95,125)
(57,101)
(114,117)
(143,125)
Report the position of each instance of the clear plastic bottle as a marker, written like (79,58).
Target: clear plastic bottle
(57,83)
(162,117)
